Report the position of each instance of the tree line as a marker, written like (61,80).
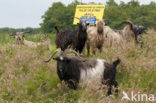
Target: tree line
(7,30)
(62,16)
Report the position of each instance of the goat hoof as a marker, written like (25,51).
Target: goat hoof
(109,93)
(116,91)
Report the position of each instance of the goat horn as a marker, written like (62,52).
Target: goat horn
(102,20)
(25,32)
(77,18)
(57,50)
(128,22)
(21,33)
(97,19)
(70,51)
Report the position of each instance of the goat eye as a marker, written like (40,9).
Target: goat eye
(60,70)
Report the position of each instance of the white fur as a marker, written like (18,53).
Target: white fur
(34,44)
(30,43)
(61,58)
(111,37)
(93,74)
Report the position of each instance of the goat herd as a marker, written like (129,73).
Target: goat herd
(76,70)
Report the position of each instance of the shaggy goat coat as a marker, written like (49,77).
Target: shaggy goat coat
(111,37)
(95,37)
(130,32)
(127,33)
(21,40)
(71,38)
(75,70)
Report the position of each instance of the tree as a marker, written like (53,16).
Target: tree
(58,15)
(62,16)
(111,3)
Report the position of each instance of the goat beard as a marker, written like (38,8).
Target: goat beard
(100,30)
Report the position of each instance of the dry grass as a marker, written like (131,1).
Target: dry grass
(23,73)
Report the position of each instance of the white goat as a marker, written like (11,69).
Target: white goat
(19,36)
(131,31)
(111,37)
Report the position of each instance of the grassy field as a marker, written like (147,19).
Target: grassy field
(22,73)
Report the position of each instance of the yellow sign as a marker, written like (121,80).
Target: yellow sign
(91,12)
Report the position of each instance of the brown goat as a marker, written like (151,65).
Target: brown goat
(95,37)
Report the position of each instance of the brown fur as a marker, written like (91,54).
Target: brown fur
(95,38)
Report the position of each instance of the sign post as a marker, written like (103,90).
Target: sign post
(91,12)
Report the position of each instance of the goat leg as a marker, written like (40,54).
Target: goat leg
(94,51)
(72,84)
(88,49)
(108,83)
(116,87)
(109,90)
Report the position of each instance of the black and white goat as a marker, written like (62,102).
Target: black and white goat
(72,38)
(76,70)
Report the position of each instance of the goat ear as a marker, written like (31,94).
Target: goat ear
(87,23)
(57,59)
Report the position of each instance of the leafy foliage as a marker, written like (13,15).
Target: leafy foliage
(62,16)
(58,15)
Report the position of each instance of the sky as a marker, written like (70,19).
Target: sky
(27,13)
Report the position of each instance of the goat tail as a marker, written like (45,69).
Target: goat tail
(56,28)
(116,62)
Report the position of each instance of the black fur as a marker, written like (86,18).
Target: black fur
(72,38)
(57,30)
(69,70)
(109,78)
(116,62)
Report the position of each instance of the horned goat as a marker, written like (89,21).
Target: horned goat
(19,37)
(72,38)
(131,31)
(95,37)
(76,70)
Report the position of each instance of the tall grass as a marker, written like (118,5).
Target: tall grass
(24,77)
